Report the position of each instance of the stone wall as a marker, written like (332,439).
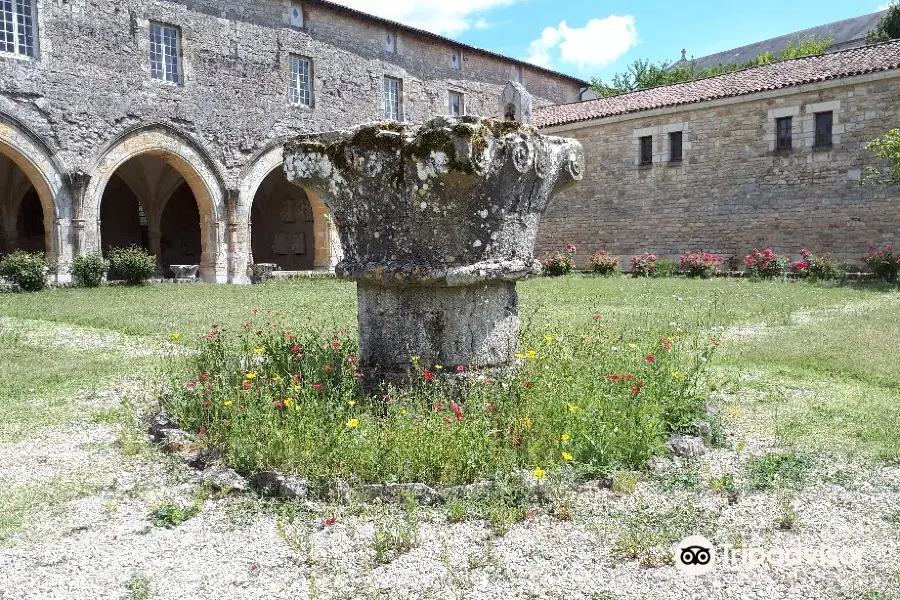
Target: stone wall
(87,103)
(733,192)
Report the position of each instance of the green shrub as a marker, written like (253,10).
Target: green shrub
(556,264)
(133,264)
(271,399)
(89,269)
(883,262)
(28,270)
(604,264)
(665,268)
(770,470)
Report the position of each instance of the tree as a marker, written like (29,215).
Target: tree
(642,74)
(885,148)
(888,27)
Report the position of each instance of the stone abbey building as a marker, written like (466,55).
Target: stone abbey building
(765,157)
(161,122)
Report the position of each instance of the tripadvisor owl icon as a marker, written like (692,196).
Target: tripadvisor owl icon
(695,555)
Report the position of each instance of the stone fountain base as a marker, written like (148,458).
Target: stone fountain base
(474,326)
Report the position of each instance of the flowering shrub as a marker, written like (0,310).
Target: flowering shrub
(273,399)
(88,270)
(556,264)
(764,264)
(821,268)
(643,265)
(700,263)
(28,270)
(883,262)
(133,264)
(604,264)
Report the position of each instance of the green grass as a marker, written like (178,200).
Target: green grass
(772,470)
(21,505)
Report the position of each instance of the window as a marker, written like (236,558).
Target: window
(393,99)
(784,133)
(164,50)
(675,139)
(455,62)
(390,43)
(297,16)
(457,104)
(647,150)
(301,81)
(824,122)
(17,27)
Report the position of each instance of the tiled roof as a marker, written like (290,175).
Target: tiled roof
(798,71)
(844,34)
(340,8)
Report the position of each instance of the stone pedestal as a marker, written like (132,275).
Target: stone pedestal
(437,223)
(261,272)
(185,272)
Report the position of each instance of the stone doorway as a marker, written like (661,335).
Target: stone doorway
(21,211)
(283,225)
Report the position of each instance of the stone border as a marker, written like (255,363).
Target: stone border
(165,433)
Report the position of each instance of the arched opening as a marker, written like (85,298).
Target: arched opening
(21,211)
(283,225)
(180,242)
(148,203)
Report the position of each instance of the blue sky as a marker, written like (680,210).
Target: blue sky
(600,37)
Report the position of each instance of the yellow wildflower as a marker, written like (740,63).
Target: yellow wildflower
(549,338)
(403,412)
(438,367)
(676,374)
(176,336)
(276,378)
(531,354)
(352,423)
(288,402)
(567,457)
(259,350)
(565,437)
(632,346)
(540,474)
(573,408)
(527,423)
(250,375)
(414,359)
(519,355)
(229,402)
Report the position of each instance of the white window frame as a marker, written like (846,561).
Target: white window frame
(457,66)
(301,93)
(462,103)
(20,10)
(392,88)
(169,71)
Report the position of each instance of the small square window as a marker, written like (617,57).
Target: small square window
(784,133)
(17,24)
(824,127)
(301,81)
(457,103)
(393,99)
(675,146)
(297,19)
(456,61)
(165,48)
(646,150)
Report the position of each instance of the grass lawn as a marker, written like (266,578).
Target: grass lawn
(836,344)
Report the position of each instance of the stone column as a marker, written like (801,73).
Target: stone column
(437,222)
(83,239)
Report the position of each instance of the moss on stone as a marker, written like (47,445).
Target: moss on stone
(502,128)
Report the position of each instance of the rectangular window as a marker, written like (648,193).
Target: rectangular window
(647,150)
(784,133)
(393,99)
(824,122)
(164,51)
(457,104)
(301,81)
(17,27)
(675,153)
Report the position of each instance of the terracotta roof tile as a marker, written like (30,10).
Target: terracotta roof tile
(798,71)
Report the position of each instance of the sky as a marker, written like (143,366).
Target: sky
(598,38)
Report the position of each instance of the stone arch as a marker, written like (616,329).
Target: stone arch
(36,160)
(200,172)
(327,244)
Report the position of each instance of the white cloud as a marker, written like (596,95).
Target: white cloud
(884,6)
(597,44)
(437,16)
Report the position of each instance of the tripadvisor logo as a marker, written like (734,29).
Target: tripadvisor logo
(695,555)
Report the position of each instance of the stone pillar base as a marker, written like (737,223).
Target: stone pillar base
(476,326)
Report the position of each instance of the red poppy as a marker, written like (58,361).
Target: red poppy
(192,385)
(598,316)
(613,378)
(318,386)
(650,359)
(279,404)
(428,376)
(528,384)
(204,377)
(247,384)
(447,420)
(438,407)
(328,368)
(254,567)
(296,349)
(254,311)
(296,377)
(491,408)
(206,403)
(627,377)
(331,521)
(335,345)
(456,408)
(635,390)
(461,369)
(460,418)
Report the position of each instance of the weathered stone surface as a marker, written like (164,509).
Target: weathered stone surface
(185,271)
(686,445)
(475,490)
(261,272)
(397,492)
(273,483)
(337,491)
(437,222)
(223,479)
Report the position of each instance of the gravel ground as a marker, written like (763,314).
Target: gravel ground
(72,337)
(97,541)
